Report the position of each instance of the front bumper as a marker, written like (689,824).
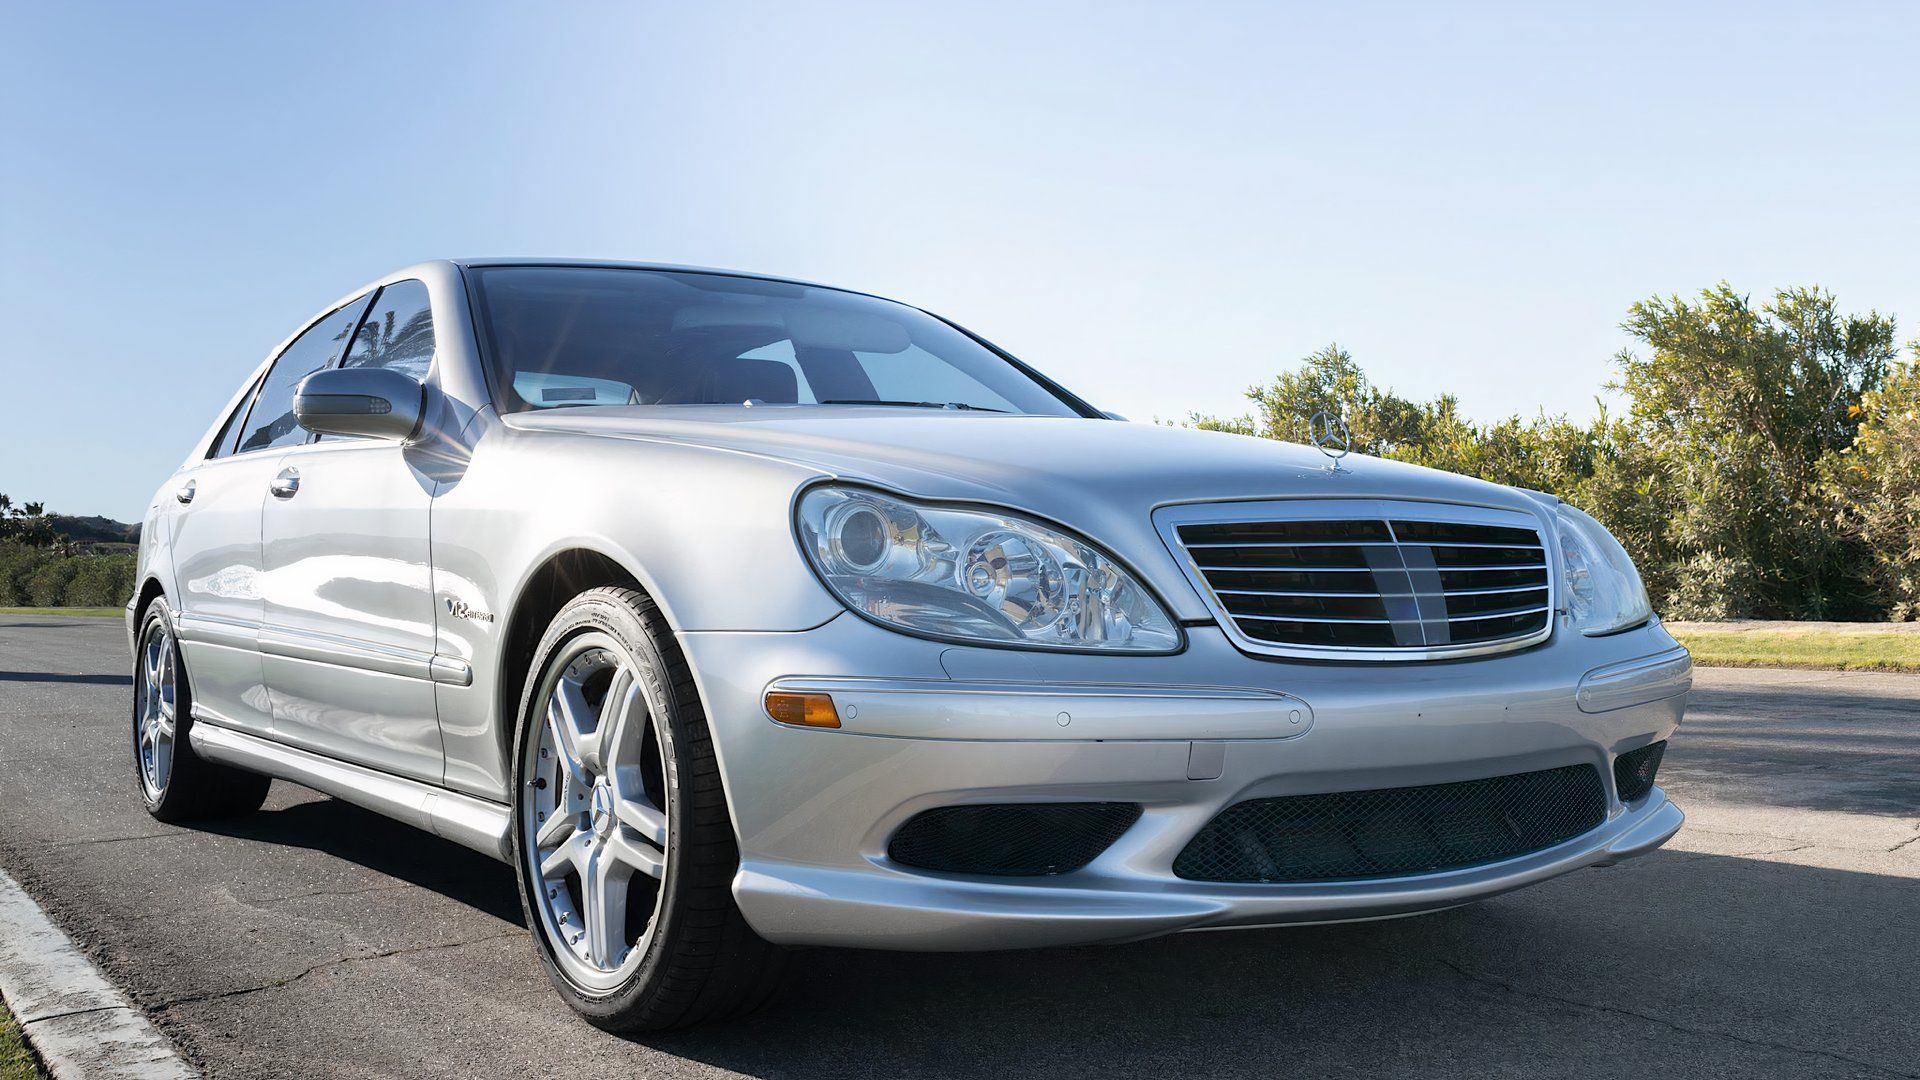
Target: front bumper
(927,725)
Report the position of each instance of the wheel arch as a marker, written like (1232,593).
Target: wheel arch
(563,575)
(150,590)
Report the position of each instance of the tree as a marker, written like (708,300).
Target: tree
(1877,486)
(1327,381)
(25,523)
(1724,480)
(1743,406)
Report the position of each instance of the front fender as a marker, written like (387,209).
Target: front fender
(706,532)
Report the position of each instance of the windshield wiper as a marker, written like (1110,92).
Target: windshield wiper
(960,405)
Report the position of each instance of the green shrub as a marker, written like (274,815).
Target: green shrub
(18,564)
(48,585)
(101,581)
(35,577)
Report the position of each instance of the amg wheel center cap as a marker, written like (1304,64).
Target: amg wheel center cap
(602,808)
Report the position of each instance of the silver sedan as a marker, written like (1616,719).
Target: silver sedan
(737,613)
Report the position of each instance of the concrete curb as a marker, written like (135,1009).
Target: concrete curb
(80,1024)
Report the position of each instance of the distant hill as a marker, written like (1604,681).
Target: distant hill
(93,530)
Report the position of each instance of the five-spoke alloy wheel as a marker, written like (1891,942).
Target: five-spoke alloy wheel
(624,849)
(594,814)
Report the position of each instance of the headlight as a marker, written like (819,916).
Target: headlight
(1603,590)
(976,575)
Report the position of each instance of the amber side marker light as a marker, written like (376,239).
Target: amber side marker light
(802,710)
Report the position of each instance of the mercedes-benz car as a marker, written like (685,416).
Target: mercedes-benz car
(737,613)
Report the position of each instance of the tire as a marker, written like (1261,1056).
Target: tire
(622,843)
(175,783)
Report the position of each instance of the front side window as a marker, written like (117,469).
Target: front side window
(398,332)
(570,336)
(271,421)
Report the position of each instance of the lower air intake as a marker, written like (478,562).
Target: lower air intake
(1011,839)
(1395,832)
(1633,771)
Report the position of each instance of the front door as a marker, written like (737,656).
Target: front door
(348,634)
(349,620)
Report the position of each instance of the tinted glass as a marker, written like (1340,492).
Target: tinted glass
(562,336)
(271,422)
(398,333)
(223,443)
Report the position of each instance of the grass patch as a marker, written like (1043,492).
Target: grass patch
(16,1058)
(1826,646)
(90,612)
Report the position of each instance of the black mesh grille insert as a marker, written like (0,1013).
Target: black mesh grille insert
(1394,832)
(1011,839)
(1633,771)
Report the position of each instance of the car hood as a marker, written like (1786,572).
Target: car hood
(1101,478)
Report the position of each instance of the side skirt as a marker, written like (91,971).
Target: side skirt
(483,826)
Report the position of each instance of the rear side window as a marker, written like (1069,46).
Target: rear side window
(223,443)
(271,422)
(398,332)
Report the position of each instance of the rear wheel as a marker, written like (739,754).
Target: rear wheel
(624,848)
(175,783)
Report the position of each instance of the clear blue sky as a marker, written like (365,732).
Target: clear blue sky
(1159,206)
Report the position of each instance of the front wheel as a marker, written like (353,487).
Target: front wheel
(624,848)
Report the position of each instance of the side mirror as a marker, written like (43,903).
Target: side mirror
(377,402)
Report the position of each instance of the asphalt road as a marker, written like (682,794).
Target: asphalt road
(1779,934)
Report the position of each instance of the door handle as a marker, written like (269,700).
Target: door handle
(287,484)
(184,493)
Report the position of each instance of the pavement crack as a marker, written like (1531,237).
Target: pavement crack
(1903,843)
(112,839)
(275,984)
(71,1012)
(1683,1029)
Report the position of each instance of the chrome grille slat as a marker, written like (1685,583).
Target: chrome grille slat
(1502,589)
(1497,614)
(1277,592)
(1416,581)
(1323,569)
(1354,544)
(1315,619)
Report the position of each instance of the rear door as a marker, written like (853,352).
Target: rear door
(216,531)
(348,581)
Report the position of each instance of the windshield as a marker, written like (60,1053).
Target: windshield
(569,336)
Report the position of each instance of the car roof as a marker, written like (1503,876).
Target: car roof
(679,268)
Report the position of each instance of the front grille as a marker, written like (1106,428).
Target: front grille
(1011,839)
(1380,585)
(1395,832)
(1634,770)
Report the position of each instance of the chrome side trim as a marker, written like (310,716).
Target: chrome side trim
(1053,712)
(1168,519)
(211,630)
(344,652)
(483,826)
(452,672)
(320,648)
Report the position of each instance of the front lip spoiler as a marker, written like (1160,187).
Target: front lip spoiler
(887,907)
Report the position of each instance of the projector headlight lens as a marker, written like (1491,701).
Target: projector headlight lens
(976,575)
